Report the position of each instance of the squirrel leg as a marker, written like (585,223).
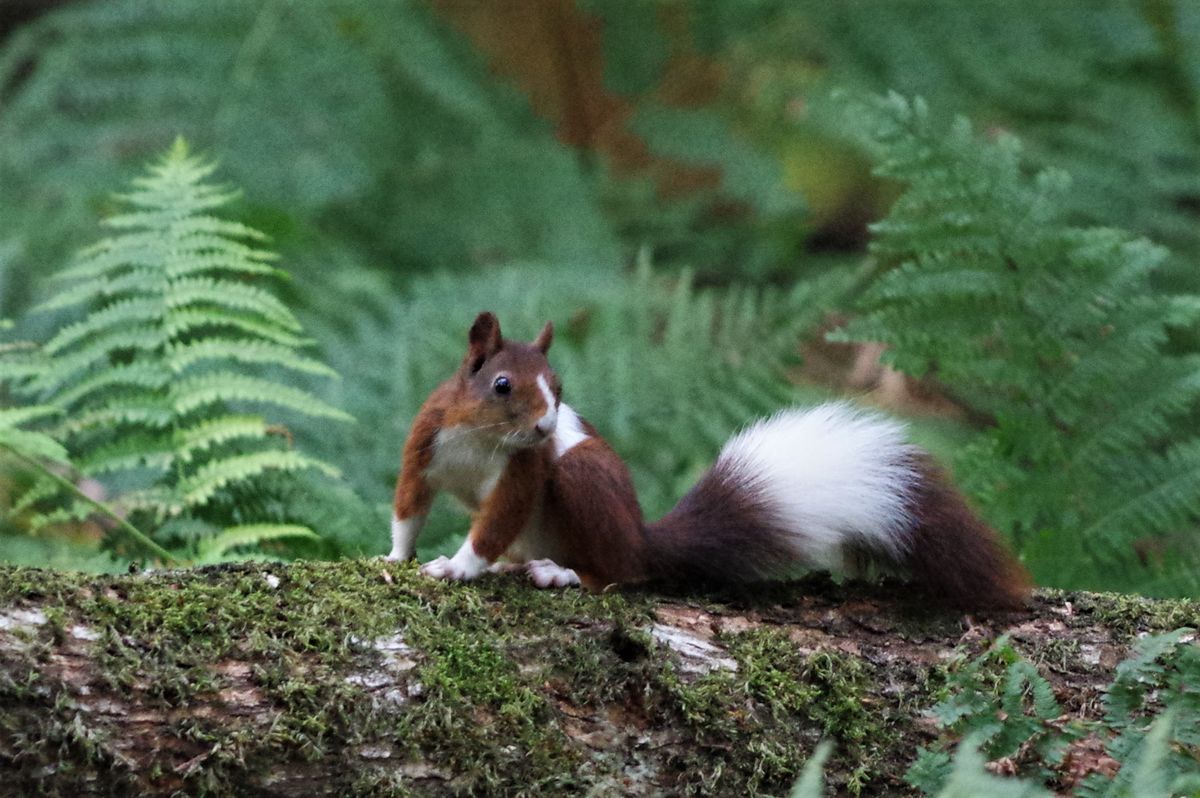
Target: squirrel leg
(502,516)
(404,537)
(414,495)
(413,498)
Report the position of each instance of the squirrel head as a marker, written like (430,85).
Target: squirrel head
(507,389)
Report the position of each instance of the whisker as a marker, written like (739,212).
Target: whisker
(453,433)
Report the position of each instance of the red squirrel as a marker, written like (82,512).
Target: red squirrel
(826,487)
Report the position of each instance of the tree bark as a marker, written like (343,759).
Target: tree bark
(364,678)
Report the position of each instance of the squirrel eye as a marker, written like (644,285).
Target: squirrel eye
(503,386)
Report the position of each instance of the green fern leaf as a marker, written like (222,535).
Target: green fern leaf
(180,357)
(968,778)
(150,373)
(100,349)
(203,436)
(1137,674)
(203,261)
(12,417)
(179,323)
(135,281)
(32,444)
(148,411)
(111,255)
(199,488)
(122,313)
(43,488)
(231,296)
(1053,331)
(193,393)
(27,443)
(152,449)
(181,221)
(235,537)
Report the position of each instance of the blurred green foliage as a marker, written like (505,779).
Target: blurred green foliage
(667,181)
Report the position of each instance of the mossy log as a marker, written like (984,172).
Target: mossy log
(364,678)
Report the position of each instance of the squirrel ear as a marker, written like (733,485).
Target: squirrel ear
(545,338)
(483,340)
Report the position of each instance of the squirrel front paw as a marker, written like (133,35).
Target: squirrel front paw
(462,567)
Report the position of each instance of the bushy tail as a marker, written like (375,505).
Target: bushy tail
(821,488)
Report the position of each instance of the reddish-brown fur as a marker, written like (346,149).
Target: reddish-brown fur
(956,557)
(722,530)
(413,494)
(507,508)
(592,510)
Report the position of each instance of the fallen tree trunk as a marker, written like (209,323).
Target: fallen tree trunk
(364,678)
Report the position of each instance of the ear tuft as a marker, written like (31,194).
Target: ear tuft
(483,340)
(545,338)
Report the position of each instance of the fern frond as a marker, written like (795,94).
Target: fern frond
(1163,493)
(180,357)
(192,393)
(236,537)
(100,349)
(153,449)
(13,417)
(214,475)
(72,513)
(1139,673)
(148,411)
(1170,388)
(122,313)
(150,249)
(178,323)
(1055,331)
(237,297)
(203,261)
(136,281)
(182,222)
(111,255)
(150,373)
(32,444)
(201,437)
(196,237)
(42,489)
(36,449)
(28,444)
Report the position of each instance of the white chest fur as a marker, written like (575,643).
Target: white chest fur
(465,464)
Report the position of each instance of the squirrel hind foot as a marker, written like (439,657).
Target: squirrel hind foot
(547,574)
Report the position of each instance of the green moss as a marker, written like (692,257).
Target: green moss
(463,706)
(35,584)
(479,717)
(468,710)
(755,728)
(40,734)
(1128,615)
(1061,655)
